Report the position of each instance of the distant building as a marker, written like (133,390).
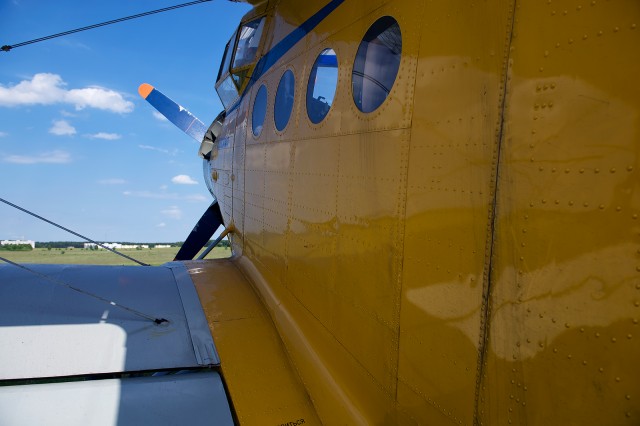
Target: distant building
(18,242)
(133,246)
(115,246)
(163,245)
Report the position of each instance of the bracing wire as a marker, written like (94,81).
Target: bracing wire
(7,47)
(72,232)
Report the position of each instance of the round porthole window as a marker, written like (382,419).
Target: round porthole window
(259,110)
(284,100)
(376,65)
(322,85)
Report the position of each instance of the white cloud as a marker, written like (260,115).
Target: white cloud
(112,181)
(100,98)
(53,157)
(3,134)
(164,151)
(165,196)
(161,225)
(159,116)
(62,128)
(183,180)
(48,89)
(105,136)
(173,212)
(195,197)
(153,148)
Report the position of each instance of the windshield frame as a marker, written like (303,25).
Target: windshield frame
(226,57)
(245,43)
(239,73)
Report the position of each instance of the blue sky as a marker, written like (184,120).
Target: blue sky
(78,145)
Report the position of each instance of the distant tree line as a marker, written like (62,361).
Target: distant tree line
(60,244)
(16,247)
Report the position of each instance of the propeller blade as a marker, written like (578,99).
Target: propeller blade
(175,113)
(201,233)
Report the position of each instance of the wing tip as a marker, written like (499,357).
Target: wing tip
(145,89)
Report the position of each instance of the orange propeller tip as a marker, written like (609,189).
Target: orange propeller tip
(145,89)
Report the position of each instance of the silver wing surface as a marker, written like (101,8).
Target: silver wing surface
(69,358)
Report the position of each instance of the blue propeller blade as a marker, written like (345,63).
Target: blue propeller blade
(178,115)
(201,233)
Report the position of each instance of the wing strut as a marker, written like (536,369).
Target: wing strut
(216,242)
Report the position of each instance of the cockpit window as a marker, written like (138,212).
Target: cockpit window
(248,43)
(226,60)
(227,91)
(238,61)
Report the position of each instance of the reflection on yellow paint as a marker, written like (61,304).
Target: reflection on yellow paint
(566,298)
(450,304)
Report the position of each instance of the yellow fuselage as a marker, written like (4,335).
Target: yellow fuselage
(468,252)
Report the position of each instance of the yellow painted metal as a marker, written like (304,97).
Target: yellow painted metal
(454,147)
(562,344)
(263,385)
(469,252)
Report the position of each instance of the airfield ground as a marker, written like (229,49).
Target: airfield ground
(155,256)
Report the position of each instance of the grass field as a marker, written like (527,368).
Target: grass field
(155,256)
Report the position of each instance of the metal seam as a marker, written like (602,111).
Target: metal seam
(492,219)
